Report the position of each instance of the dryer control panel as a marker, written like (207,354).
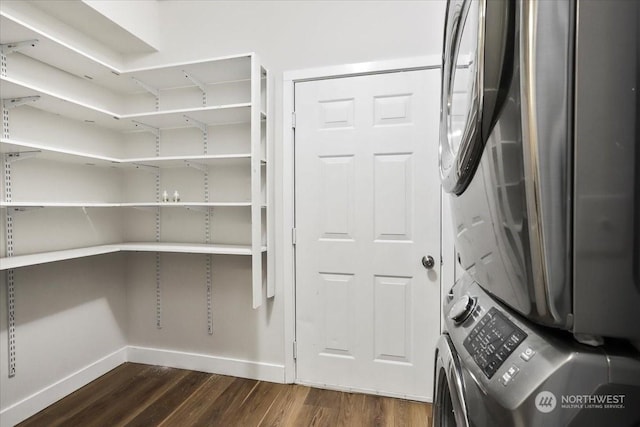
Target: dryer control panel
(492,340)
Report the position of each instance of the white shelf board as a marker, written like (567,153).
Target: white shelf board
(62,105)
(188,248)
(72,156)
(58,154)
(53,51)
(228,69)
(181,161)
(185,204)
(82,111)
(46,257)
(37,204)
(53,256)
(81,63)
(211,116)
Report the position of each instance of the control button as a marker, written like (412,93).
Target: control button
(505,379)
(513,371)
(527,354)
(461,309)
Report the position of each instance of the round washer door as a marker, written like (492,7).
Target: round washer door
(477,66)
(449,404)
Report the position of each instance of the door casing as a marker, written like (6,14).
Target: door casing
(284,196)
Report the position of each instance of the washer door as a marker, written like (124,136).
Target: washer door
(477,68)
(449,404)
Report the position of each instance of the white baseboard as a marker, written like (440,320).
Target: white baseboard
(428,399)
(38,401)
(206,363)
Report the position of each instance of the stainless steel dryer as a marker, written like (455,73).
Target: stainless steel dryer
(540,152)
(539,149)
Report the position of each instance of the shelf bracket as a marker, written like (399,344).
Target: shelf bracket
(17,46)
(196,123)
(154,130)
(203,209)
(25,209)
(195,81)
(197,166)
(147,168)
(9,103)
(16,157)
(200,85)
(152,90)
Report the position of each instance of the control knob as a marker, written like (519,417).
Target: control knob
(462,309)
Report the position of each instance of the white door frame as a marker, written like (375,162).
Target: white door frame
(285,206)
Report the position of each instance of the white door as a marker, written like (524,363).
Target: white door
(367,195)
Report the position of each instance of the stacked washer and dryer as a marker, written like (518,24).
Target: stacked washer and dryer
(540,155)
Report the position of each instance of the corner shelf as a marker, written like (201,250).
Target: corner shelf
(55,99)
(19,261)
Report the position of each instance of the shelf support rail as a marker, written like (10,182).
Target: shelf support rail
(152,90)
(200,85)
(158,225)
(10,282)
(209,261)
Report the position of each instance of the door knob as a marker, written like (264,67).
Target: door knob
(428,262)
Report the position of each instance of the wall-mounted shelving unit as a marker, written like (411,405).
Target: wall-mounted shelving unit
(85,144)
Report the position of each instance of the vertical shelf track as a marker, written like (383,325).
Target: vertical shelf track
(7,160)
(158,226)
(10,278)
(158,229)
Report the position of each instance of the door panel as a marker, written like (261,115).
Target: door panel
(367,210)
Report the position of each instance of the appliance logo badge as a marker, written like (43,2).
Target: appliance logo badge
(546,401)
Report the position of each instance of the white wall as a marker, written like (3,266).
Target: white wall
(69,315)
(299,34)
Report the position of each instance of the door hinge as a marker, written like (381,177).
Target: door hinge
(295,350)
(294,236)
(293,120)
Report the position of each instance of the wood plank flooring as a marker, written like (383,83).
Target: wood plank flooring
(143,395)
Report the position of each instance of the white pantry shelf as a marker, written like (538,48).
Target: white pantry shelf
(184,161)
(110,99)
(46,257)
(211,116)
(88,65)
(51,50)
(57,103)
(38,204)
(191,248)
(53,256)
(50,152)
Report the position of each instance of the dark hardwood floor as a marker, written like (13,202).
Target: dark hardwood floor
(142,395)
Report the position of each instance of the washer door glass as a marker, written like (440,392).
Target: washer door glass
(463,88)
(461,91)
(473,89)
